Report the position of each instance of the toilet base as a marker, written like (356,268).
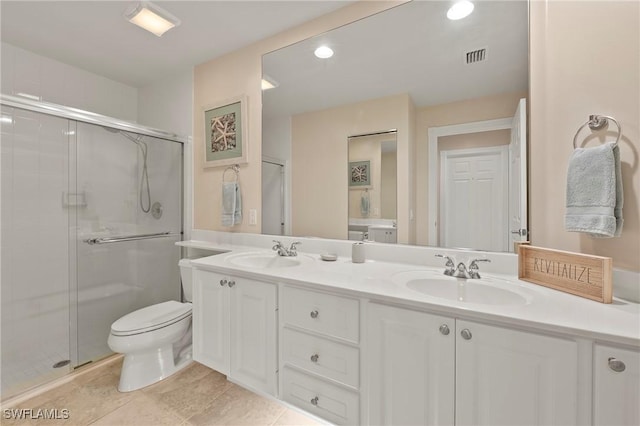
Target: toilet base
(146,368)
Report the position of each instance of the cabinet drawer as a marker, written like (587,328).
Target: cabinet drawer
(331,315)
(330,402)
(329,359)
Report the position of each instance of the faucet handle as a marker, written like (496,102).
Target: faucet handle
(450,263)
(473,267)
(474,263)
(277,246)
(292,248)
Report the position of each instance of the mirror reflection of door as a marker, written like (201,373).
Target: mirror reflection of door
(273,222)
(373,187)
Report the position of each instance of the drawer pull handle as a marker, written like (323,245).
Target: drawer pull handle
(466,334)
(223,282)
(444,329)
(616,365)
(314,401)
(314,314)
(314,358)
(231,283)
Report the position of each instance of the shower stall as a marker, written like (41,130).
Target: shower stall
(90,210)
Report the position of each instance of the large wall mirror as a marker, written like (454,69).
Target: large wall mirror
(445,100)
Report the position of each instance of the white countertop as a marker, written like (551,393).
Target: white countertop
(546,309)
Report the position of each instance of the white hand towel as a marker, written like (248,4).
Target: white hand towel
(231,204)
(364,204)
(594,192)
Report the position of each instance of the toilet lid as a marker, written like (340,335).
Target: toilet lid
(151,318)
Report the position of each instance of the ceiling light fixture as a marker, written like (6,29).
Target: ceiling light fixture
(323,52)
(459,10)
(151,17)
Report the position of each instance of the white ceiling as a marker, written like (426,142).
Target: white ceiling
(93,35)
(412,48)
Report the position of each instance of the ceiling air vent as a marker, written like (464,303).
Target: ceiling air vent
(478,55)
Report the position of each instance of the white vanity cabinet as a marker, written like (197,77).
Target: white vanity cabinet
(320,354)
(235,328)
(616,386)
(410,367)
(423,368)
(510,377)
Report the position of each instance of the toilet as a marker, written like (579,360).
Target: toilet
(156,340)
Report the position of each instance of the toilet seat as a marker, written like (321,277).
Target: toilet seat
(151,318)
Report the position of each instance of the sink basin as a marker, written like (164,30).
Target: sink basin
(480,291)
(263,260)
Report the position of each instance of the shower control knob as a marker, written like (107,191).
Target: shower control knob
(231,283)
(223,282)
(314,314)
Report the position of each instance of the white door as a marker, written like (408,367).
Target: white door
(253,334)
(211,320)
(272,198)
(473,194)
(616,386)
(509,377)
(410,367)
(518,230)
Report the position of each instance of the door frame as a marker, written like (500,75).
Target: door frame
(500,150)
(433,227)
(286,203)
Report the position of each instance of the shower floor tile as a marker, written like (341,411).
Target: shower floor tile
(195,396)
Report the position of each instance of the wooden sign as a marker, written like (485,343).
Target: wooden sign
(575,273)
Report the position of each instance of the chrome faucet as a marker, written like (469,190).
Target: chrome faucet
(462,271)
(286,252)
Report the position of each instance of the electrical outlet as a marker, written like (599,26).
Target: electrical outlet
(253,217)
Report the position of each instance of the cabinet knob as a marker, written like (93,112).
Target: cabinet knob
(616,365)
(444,329)
(314,358)
(231,283)
(314,400)
(466,334)
(223,282)
(314,314)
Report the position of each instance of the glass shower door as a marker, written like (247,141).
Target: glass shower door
(35,248)
(129,203)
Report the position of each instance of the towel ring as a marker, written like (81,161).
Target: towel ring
(598,122)
(235,168)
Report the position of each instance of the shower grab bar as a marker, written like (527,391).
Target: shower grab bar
(107,240)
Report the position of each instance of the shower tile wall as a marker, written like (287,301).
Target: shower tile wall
(53,81)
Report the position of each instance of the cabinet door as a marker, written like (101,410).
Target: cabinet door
(211,320)
(253,334)
(616,386)
(509,377)
(410,367)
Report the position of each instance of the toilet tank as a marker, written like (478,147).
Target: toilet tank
(186,276)
(186,270)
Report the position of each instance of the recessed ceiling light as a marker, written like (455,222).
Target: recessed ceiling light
(459,10)
(151,17)
(323,52)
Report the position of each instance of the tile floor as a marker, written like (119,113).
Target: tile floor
(195,396)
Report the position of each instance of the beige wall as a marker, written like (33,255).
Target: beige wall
(389,186)
(487,108)
(319,148)
(584,60)
(240,73)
